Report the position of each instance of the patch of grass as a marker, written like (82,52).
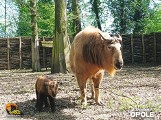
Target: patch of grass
(151,104)
(111,103)
(127,103)
(82,106)
(159,97)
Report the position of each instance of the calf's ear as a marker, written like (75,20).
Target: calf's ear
(57,86)
(46,83)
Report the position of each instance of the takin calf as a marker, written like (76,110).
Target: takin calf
(45,88)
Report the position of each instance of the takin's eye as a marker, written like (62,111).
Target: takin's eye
(109,47)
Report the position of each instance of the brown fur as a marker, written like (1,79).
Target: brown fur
(45,88)
(93,52)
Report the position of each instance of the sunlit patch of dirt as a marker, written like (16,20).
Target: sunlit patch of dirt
(134,87)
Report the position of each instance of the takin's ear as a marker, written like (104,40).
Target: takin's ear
(118,37)
(46,83)
(55,82)
(50,83)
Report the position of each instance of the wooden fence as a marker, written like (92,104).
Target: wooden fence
(15,53)
(142,48)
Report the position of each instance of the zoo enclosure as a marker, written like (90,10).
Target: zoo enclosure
(142,48)
(15,53)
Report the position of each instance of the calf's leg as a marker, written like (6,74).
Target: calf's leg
(52,103)
(46,101)
(40,102)
(37,99)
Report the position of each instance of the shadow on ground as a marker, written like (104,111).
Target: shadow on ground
(29,111)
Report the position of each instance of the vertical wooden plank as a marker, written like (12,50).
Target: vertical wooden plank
(44,56)
(143,46)
(132,49)
(122,48)
(8,53)
(155,59)
(20,52)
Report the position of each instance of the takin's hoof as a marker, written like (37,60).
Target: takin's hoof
(46,105)
(92,97)
(99,102)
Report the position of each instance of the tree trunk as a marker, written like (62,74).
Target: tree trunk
(61,43)
(76,20)
(35,41)
(95,8)
(122,18)
(5,21)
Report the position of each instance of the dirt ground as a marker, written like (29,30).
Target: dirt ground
(134,88)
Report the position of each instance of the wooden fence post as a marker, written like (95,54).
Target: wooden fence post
(132,50)
(155,59)
(143,45)
(122,48)
(20,52)
(8,53)
(44,56)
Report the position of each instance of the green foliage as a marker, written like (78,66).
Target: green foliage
(45,9)
(70,18)
(46,18)
(87,16)
(141,9)
(24,20)
(129,15)
(126,16)
(96,9)
(73,18)
(153,22)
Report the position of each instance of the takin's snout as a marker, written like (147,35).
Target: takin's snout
(118,65)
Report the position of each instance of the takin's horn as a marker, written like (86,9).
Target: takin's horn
(106,37)
(119,38)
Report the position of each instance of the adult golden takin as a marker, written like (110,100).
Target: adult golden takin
(92,53)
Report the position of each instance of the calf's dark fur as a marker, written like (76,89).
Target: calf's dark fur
(45,88)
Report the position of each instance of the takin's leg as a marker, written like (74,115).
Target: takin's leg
(92,88)
(97,81)
(40,101)
(37,99)
(82,85)
(52,103)
(46,101)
